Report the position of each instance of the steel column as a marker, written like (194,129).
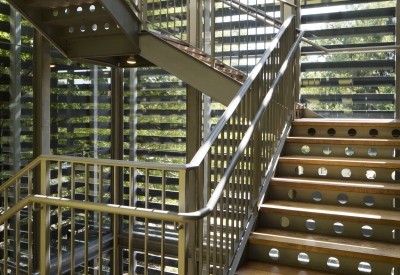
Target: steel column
(193,143)
(117,152)
(133,80)
(15,121)
(297,56)
(397,110)
(41,145)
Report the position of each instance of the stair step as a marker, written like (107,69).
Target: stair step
(344,186)
(347,128)
(351,162)
(252,267)
(344,141)
(388,123)
(335,246)
(343,213)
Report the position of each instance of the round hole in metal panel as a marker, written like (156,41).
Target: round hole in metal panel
(396,203)
(292,194)
(71,29)
(79,9)
(346,173)
(284,222)
(333,263)
(331,132)
(106,26)
(364,267)
(55,13)
(83,28)
(299,170)
(311,131)
(317,196)
(342,198)
(352,132)
(370,174)
(349,151)
(372,152)
(396,153)
(305,149)
(373,132)
(395,234)
(369,200)
(94,27)
(92,8)
(327,150)
(303,258)
(338,227)
(396,133)
(67,11)
(311,224)
(396,175)
(367,231)
(322,171)
(274,254)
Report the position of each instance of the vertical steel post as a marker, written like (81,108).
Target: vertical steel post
(15,121)
(15,89)
(297,58)
(397,92)
(193,143)
(94,77)
(117,152)
(41,145)
(133,92)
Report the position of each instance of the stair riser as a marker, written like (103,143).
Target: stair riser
(343,132)
(332,197)
(317,260)
(358,173)
(360,151)
(381,233)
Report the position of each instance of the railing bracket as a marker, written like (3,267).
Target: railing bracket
(177,226)
(34,208)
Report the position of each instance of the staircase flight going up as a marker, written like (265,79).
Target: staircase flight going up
(333,206)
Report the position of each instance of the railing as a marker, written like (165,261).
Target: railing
(222,31)
(209,218)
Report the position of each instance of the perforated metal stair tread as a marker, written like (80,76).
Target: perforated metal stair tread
(342,141)
(252,267)
(387,123)
(349,186)
(344,213)
(335,246)
(336,161)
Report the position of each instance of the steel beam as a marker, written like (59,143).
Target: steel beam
(212,82)
(124,16)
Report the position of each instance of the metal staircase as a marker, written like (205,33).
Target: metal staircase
(333,204)
(98,215)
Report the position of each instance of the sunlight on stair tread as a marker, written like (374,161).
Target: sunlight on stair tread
(311,241)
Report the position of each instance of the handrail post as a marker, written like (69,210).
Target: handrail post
(182,228)
(44,253)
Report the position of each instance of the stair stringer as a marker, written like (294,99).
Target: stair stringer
(242,253)
(194,72)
